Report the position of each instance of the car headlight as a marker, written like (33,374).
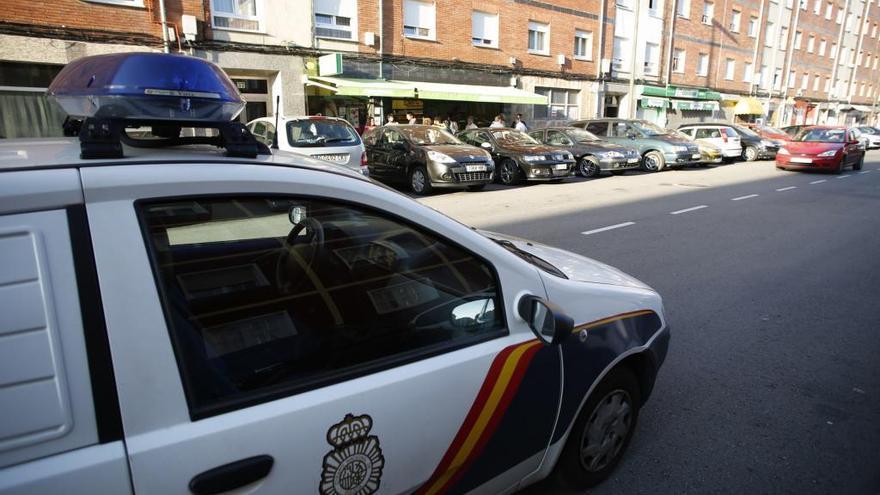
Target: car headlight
(779,142)
(765,143)
(436,156)
(568,156)
(783,151)
(533,158)
(826,154)
(613,154)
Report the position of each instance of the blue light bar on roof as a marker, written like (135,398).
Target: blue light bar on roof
(153,86)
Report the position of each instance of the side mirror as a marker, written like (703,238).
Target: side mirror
(486,145)
(546,319)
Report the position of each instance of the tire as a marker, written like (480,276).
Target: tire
(476,188)
(588,167)
(750,153)
(420,181)
(508,173)
(618,391)
(858,166)
(654,161)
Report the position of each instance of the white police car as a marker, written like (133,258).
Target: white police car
(188,320)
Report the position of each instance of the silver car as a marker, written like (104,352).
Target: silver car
(330,139)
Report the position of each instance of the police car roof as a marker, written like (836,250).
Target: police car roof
(48,153)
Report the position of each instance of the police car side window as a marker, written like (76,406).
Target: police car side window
(266,297)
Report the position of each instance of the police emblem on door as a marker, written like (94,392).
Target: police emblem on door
(354,466)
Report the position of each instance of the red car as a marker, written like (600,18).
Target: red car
(771,133)
(821,148)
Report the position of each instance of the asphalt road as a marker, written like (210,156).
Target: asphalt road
(772,288)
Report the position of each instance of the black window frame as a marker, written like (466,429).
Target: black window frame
(281,391)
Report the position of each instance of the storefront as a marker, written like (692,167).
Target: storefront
(686,105)
(749,109)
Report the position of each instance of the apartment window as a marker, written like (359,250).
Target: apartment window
(829,9)
(816,82)
(747,72)
(625,4)
(655,7)
(849,21)
(839,15)
(783,37)
(419,19)
(803,4)
(805,80)
(763,80)
(239,15)
(862,90)
(583,45)
(336,19)
(620,58)
(867,60)
(484,29)
(791,78)
(817,7)
(538,38)
(822,46)
(734,21)
(708,12)
(859,59)
(811,42)
(753,26)
(563,104)
(703,65)
(684,8)
(777,79)
(652,59)
(874,32)
(789,4)
(827,84)
(678,59)
(769,35)
(875,63)
(833,52)
(797,40)
(729,69)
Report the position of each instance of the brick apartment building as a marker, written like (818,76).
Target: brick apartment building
(668,61)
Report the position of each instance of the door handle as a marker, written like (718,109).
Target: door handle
(231,476)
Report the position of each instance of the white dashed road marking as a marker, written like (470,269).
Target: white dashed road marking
(841,176)
(864,171)
(687,210)
(789,188)
(610,227)
(819,181)
(745,197)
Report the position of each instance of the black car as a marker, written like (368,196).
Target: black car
(519,156)
(592,155)
(754,147)
(426,157)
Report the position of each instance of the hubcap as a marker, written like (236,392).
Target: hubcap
(751,154)
(651,162)
(588,168)
(606,431)
(507,173)
(418,181)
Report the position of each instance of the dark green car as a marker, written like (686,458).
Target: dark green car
(659,148)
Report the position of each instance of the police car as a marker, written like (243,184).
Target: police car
(196,315)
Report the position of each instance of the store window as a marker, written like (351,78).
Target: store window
(336,19)
(255,92)
(563,104)
(238,15)
(583,45)
(539,35)
(419,19)
(484,29)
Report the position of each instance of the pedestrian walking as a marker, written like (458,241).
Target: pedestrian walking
(410,118)
(519,124)
(470,123)
(451,125)
(498,122)
(391,120)
(371,124)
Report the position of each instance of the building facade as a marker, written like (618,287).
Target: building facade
(669,61)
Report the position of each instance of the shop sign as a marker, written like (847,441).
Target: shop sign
(695,105)
(655,102)
(330,65)
(407,104)
(674,92)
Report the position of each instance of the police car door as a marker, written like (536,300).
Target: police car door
(296,331)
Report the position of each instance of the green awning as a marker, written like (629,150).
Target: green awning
(427,90)
(695,105)
(676,92)
(649,102)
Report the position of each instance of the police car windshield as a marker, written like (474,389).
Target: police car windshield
(515,138)
(425,135)
(581,136)
(320,132)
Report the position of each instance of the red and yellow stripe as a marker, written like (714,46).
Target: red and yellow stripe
(482,420)
(610,319)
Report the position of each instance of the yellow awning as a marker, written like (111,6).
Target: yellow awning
(748,106)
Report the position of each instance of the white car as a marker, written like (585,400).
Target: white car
(195,320)
(327,138)
(722,137)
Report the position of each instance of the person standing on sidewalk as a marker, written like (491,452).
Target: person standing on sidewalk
(519,124)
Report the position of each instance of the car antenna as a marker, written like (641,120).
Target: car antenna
(277,104)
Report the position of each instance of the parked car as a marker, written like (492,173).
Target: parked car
(723,137)
(658,147)
(330,139)
(825,148)
(202,320)
(870,136)
(592,155)
(708,153)
(754,147)
(792,130)
(519,156)
(769,133)
(426,157)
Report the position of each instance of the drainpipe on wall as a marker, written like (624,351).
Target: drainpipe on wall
(757,46)
(633,65)
(852,74)
(833,86)
(775,45)
(600,107)
(164,21)
(786,64)
(669,44)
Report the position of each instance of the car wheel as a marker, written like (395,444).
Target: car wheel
(479,187)
(419,181)
(509,173)
(750,153)
(653,161)
(588,167)
(601,433)
(858,166)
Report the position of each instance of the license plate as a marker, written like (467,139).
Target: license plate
(633,160)
(560,166)
(801,160)
(695,156)
(475,168)
(332,158)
